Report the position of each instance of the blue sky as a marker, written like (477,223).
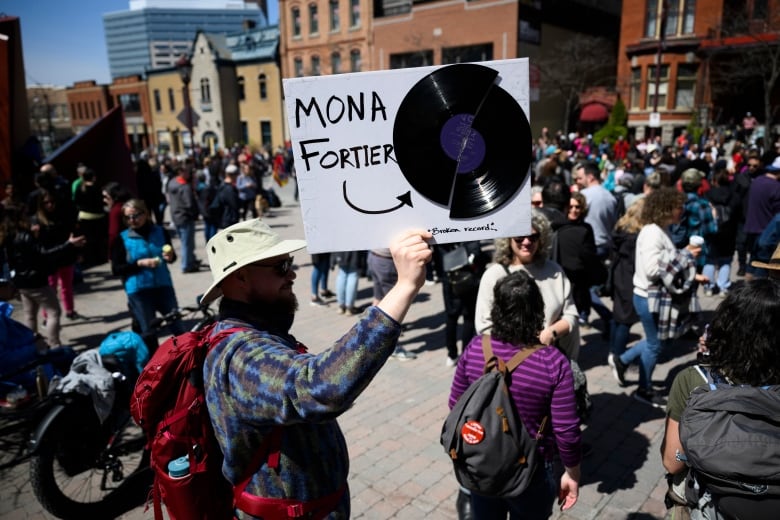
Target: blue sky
(63,40)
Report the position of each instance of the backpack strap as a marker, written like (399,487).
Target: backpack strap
(508,366)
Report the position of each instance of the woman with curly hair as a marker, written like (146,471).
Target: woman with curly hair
(740,348)
(542,386)
(661,270)
(530,254)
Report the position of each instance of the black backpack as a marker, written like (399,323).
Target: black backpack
(731,439)
(491,450)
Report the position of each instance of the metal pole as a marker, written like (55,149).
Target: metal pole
(188,108)
(661,36)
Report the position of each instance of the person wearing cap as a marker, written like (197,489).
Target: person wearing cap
(763,205)
(260,378)
(227,200)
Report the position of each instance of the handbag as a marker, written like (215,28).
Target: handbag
(460,273)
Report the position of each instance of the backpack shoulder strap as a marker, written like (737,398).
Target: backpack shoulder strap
(514,361)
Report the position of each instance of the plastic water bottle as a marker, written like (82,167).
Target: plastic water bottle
(179,468)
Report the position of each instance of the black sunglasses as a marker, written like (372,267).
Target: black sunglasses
(533,238)
(281,268)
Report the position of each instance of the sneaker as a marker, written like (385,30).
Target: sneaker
(352,311)
(316,302)
(327,294)
(650,397)
(618,369)
(450,362)
(723,293)
(73,315)
(707,292)
(430,283)
(342,309)
(402,355)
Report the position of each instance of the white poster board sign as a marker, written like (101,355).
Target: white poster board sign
(444,148)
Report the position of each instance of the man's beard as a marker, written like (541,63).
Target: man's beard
(281,305)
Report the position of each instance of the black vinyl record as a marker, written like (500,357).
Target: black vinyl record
(462,141)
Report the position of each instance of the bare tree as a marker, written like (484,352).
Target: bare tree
(575,64)
(755,59)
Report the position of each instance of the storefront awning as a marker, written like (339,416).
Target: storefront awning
(593,113)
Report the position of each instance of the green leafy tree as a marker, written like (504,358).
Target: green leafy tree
(616,125)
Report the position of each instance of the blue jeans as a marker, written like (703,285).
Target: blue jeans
(146,302)
(648,349)
(209,230)
(346,287)
(319,273)
(618,338)
(536,502)
(187,237)
(723,267)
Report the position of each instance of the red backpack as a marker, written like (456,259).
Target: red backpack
(169,404)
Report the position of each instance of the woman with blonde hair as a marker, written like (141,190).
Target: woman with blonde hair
(530,253)
(622,265)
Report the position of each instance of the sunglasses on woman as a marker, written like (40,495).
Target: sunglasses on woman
(533,238)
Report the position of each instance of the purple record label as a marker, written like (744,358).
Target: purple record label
(462,143)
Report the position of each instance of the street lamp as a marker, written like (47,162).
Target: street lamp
(185,71)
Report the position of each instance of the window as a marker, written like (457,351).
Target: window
(315,65)
(298,65)
(262,83)
(244,132)
(636,87)
(130,103)
(205,91)
(265,134)
(333,8)
(73,110)
(663,87)
(296,22)
(241,89)
(760,9)
(677,19)
(354,60)
(411,59)
(314,24)
(81,114)
(354,13)
(171,100)
(157,101)
(335,63)
(686,85)
(92,109)
(467,53)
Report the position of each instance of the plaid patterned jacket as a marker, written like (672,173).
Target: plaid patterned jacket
(672,297)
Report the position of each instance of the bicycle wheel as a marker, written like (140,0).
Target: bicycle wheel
(80,467)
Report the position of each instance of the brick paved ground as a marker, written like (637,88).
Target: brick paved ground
(398,468)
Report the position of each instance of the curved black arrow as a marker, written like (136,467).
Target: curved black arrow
(406,200)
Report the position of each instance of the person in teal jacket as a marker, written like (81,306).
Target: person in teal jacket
(141,257)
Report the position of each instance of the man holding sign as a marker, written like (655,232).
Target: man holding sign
(265,392)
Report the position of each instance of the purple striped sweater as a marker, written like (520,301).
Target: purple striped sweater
(543,384)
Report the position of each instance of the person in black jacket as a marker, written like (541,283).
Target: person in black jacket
(727,205)
(464,304)
(31,264)
(226,201)
(622,263)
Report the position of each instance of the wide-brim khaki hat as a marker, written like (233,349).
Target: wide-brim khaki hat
(242,244)
(774,262)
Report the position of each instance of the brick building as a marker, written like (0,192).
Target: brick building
(701,47)
(88,101)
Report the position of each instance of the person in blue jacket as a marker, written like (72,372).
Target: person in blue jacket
(141,257)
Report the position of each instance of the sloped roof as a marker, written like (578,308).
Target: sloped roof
(255,44)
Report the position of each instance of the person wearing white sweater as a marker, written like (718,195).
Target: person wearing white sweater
(530,254)
(654,248)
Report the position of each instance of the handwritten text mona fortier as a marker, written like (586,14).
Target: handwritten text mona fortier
(339,111)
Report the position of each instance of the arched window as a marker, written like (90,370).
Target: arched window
(335,63)
(315,65)
(263,84)
(354,60)
(205,91)
(296,22)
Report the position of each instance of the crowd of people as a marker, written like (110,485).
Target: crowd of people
(52,235)
(649,226)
